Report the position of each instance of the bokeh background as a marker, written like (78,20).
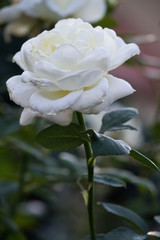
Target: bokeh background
(39,195)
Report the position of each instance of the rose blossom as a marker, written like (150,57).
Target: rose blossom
(21,16)
(67,69)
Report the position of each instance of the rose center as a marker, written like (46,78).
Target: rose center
(46,45)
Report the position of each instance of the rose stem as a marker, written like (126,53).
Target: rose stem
(90,166)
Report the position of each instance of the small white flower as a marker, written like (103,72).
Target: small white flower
(67,69)
(18,14)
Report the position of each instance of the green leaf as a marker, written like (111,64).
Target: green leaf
(121,233)
(128,176)
(62,137)
(109,181)
(143,159)
(114,120)
(157,219)
(8,187)
(126,214)
(124,233)
(153,235)
(103,145)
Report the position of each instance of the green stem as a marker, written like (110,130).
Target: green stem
(90,166)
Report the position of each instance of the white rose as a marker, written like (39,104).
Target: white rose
(18,15)
(67,69)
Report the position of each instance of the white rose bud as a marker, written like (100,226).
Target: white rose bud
(67,69)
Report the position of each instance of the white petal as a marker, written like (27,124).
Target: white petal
(79,80)
(97,59)
(18,60)
(47,70)
(62,118)
(51,103)
(73,82)
(110,41)
(68,22)
(110,33)
(27,56)
(42,83)
(93,11)
(124,52)
(27,116)
(118,88)
(20,92)
(91,98)
(65,57)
